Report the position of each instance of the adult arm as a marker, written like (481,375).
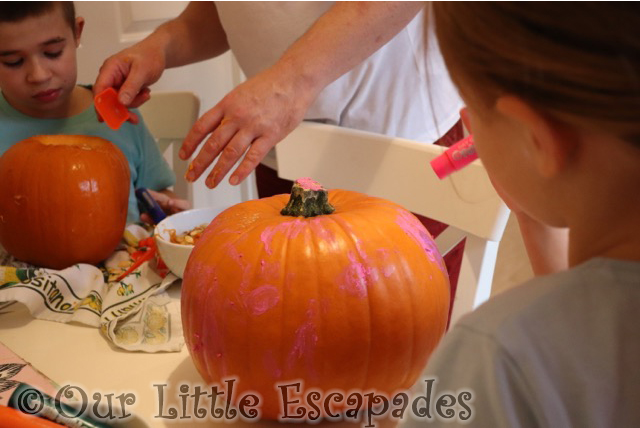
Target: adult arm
(195,35)
(263,110)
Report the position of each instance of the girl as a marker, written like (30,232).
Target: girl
(553,98)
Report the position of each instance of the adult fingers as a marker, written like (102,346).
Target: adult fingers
(134,85)
(108,77)
(211,148)
(203,126)
(230,155)
(113,72)
(142,97)
(258,150)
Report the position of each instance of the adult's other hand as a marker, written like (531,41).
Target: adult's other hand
(248,121)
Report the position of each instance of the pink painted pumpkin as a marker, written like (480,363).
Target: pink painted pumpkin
(351,298)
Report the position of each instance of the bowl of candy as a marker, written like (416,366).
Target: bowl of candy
(177,234)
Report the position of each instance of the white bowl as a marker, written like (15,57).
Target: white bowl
(174,255)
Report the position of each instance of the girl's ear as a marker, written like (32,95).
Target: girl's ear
(551,144)
(77,31)
(466,121)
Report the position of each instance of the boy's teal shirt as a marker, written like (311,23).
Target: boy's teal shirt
(147,166)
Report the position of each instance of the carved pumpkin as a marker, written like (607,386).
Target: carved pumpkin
(355,298)
(63,199)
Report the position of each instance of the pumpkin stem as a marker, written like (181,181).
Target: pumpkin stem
(308,199)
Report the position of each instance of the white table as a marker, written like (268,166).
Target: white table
(77,355)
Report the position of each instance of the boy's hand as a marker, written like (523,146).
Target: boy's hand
(169,203)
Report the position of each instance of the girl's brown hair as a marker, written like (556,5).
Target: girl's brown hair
(577,61)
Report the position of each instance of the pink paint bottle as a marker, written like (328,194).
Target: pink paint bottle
(455,157)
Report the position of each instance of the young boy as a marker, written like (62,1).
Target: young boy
(39,95)
(553,97)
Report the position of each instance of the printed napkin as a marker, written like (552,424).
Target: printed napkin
(129,304)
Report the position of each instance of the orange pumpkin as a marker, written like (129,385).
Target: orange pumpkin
(63,199)
(355,298)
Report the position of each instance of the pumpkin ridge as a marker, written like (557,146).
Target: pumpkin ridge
(259,365)
(361,211)
(205,339)
(391,289)
(280,357)
(405,291)
(30,211)
(415,356)
(393,212)
(275,221)
(64,240)
(321,325)
(412,351)
(248,273)
(201,337)
(286,255)
(339,219)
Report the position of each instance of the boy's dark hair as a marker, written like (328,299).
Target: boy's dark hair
(15,11)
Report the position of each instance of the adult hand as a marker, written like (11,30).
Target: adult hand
(259,113)
(196,34)
(248,121)
(131,71)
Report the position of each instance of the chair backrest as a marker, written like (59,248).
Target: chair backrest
(169,117)
(398,170)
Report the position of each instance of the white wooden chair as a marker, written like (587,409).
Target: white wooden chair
(169,116)
(398,170)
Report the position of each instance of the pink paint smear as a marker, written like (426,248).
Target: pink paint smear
(309,184)
(416,230)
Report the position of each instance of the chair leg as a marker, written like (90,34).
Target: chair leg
(476,276)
